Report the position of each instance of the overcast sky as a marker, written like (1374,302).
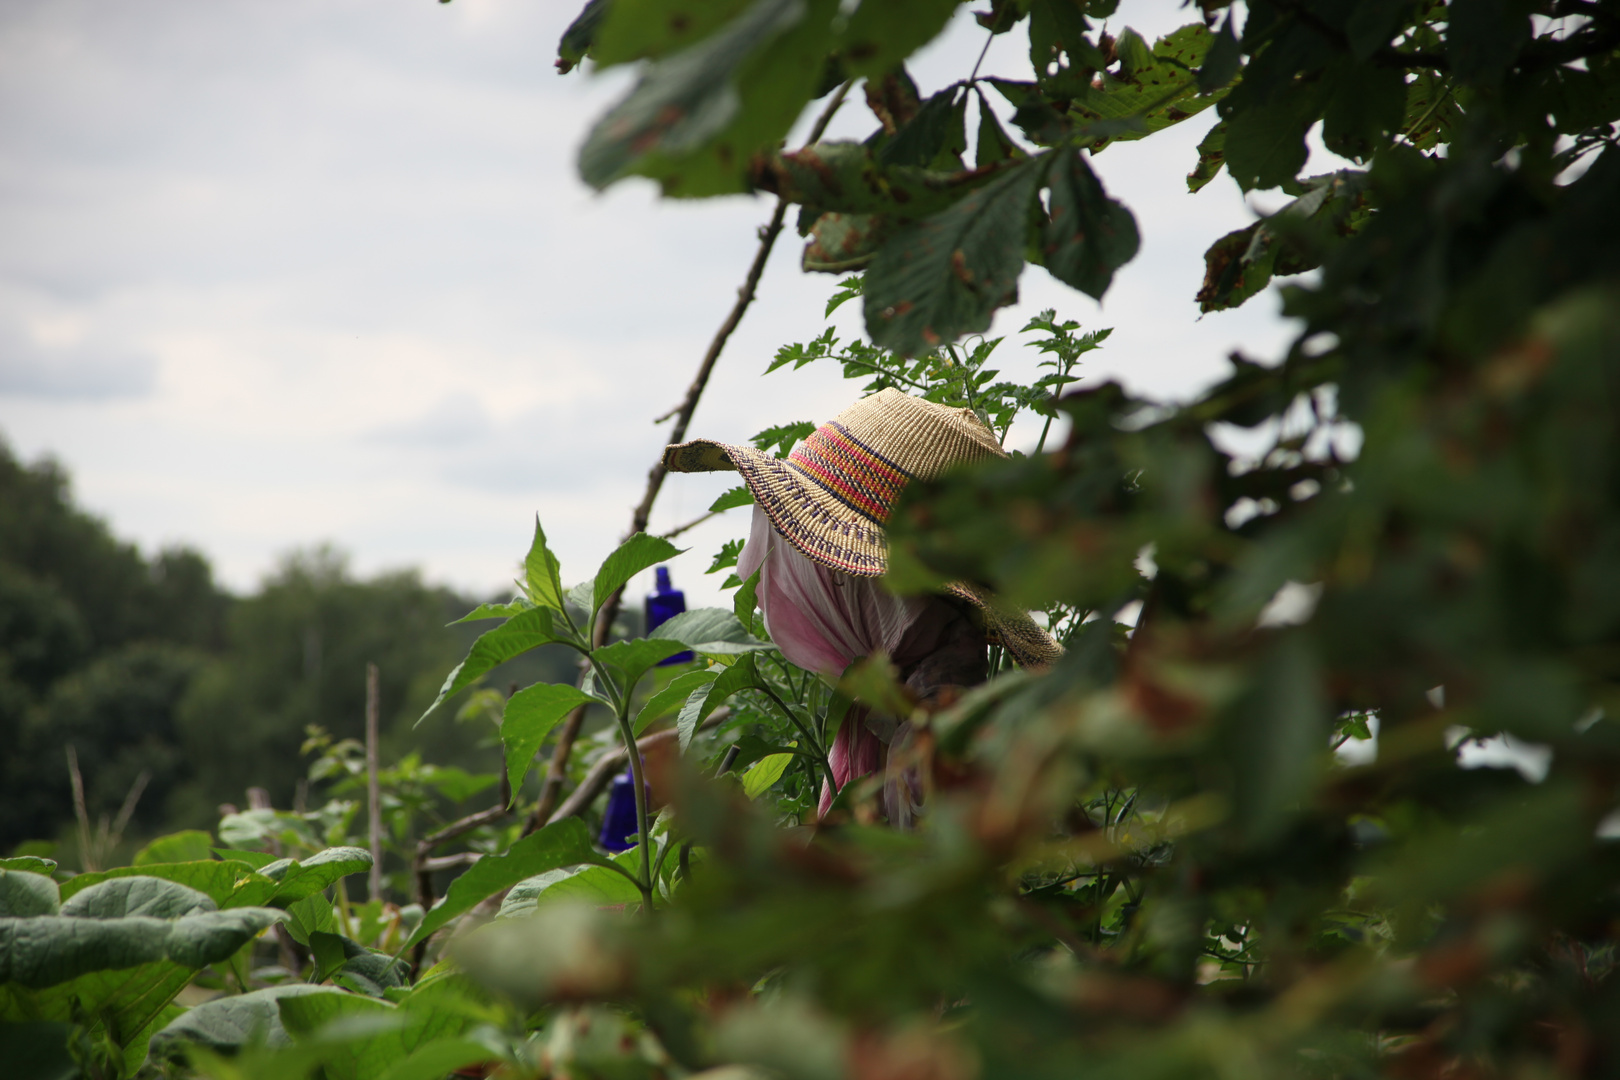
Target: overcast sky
(322,270)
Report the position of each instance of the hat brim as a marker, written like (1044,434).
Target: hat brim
(829,531)
(826,528)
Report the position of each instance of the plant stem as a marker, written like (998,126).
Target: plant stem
(643,839)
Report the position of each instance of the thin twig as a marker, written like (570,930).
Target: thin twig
(373,790)
(557,770)
(694,523)
(127,811)
(86,859)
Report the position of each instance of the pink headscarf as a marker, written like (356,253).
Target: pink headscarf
(823,621)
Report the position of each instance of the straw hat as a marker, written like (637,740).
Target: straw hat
(832,496)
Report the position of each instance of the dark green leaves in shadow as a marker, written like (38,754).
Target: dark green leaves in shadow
(1088,235)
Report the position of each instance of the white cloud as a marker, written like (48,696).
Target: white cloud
(327,273)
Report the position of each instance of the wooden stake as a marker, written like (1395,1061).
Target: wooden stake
(373,795)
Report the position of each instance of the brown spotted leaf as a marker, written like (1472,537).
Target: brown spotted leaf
(945,276)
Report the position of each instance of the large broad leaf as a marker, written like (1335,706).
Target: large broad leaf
(517,635)
(24,895)
(50,950)
(562,843)
(530,715)
(230,1023)
(1089,235)
(712,631)
(706,699)
(945,276)
(542,580)
(630,660)
(672,696)
(696,118)
(594,885)
(296,879)
(149,896)
(189,846)
(230,884)
(632,557)
(124,972)
(361,1038)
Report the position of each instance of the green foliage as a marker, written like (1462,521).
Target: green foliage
(1160,856)
(562,843)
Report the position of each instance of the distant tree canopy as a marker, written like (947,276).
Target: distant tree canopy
(145,666)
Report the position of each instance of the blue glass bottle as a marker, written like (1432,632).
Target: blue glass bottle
(664,604)
(619,819)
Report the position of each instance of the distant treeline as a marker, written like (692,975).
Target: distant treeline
(147,668)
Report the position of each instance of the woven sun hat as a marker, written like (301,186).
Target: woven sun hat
(832,495)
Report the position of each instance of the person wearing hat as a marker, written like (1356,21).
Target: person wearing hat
(818,541)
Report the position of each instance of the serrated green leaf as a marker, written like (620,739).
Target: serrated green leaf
(530,715)
(517,635)
(495,611)
(1154,89)
(542,580)
(945,276)
(562,843)
(730,500)
(632,557)
(670,697)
